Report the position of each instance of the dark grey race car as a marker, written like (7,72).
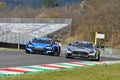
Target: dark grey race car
(83,49)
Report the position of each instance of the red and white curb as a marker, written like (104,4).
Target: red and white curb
(12,71)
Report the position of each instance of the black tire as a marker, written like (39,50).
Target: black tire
(33,53)
(68,56)
(98,57)
(58,52)
(27,51)
(90,58)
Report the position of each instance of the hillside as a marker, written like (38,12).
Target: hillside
(101,16)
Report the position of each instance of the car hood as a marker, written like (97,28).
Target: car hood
(80,49)
(40,45)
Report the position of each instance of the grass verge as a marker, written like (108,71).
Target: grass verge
(104,72)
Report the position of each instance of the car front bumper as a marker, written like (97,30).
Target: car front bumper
(39,50)
(80,54)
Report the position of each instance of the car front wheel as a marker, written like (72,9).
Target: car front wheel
(68,56)
(57,53)
(27,51)
(97,57)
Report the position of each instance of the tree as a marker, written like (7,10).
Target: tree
(3,7)
(48,3)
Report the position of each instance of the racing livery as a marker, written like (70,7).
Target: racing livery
(43,46)
(83,49)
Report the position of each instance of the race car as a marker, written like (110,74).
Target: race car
(83,49)
(43,46)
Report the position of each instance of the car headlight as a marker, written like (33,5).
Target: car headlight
(48,48)
(69,50)
(91,52)
(30,46)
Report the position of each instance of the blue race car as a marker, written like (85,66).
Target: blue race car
(43,46)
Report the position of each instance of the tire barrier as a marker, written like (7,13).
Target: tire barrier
(11,45)
(22,70)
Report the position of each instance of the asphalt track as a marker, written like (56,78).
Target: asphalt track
(20,58)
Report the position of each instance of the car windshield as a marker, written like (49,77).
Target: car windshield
(42,41)
(83,45)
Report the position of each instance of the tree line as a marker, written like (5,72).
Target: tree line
(88,17)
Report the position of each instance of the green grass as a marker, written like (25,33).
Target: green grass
(105,72)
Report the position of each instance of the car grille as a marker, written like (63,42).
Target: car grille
(80,52)
(39,50)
